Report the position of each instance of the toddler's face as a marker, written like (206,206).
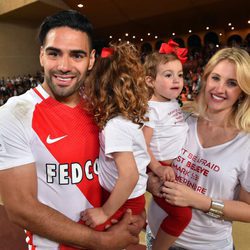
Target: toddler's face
(169,81)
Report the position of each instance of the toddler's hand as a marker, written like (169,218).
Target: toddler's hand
(94,217)
(166,173)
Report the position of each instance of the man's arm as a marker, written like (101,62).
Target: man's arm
(18,187)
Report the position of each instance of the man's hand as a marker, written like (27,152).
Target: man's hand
(122,234)
(137,224)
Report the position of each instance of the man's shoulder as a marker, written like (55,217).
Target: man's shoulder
(17,106)
(16,99)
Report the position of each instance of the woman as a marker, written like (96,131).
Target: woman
(213,169)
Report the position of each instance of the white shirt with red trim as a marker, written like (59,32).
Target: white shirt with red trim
(217,172)
(169,129)
(63,144)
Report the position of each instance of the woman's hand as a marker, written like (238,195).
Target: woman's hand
(177,194)
(181,195)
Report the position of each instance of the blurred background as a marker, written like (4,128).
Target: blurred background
(202,26)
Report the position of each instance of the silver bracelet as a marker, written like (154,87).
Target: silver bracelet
(216,209)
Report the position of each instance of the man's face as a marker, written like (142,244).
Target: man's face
(66,57)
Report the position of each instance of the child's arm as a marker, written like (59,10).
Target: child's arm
(164,172)
(148,133)
(127,179)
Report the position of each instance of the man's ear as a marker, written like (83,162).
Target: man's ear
(91,59)
(41,55)
(149,81)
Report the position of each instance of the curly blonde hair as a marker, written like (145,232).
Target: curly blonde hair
(116,86)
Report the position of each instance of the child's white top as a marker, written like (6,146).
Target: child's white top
(170,129)
(122,135)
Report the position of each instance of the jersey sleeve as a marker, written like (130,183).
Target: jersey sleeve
(117,137)
(14,140)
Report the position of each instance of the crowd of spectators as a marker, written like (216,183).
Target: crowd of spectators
(193,69)
(13,86)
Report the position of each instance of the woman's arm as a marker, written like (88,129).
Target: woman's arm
(180,195)
(238,210)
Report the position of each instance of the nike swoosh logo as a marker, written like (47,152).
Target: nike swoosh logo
(53,140)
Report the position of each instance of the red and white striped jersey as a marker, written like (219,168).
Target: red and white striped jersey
(62,142)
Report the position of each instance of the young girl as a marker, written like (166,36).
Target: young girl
(117,94)
(165,133)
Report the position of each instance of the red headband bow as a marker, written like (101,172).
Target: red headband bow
(173,47)
(106,52)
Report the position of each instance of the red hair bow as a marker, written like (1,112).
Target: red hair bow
(173,47)
(106,52)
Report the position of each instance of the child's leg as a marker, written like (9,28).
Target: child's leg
(163,240)
(172,226)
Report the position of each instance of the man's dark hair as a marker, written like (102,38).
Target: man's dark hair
(66,18)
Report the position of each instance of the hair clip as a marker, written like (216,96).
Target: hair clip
(107,52)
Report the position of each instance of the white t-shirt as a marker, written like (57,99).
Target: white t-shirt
(63,144)
(121,135)
(216,172)
(169,129)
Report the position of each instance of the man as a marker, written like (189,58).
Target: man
(49,147)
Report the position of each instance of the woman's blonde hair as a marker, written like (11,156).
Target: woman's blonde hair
(240,115)
(116,86)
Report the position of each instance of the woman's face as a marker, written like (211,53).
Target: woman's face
(222,89)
